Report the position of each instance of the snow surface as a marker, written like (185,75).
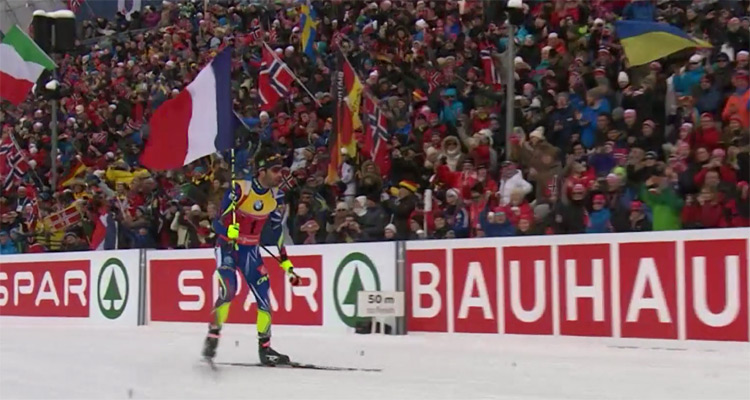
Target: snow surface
(162,361)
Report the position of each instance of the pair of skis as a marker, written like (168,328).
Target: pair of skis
(292,365)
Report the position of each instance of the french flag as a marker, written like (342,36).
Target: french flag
(196,123)
(105,232)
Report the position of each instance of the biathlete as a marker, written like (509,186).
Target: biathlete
(238,247)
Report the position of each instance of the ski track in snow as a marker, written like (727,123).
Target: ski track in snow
(67,361)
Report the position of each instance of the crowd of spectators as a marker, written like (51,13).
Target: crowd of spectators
(598,146)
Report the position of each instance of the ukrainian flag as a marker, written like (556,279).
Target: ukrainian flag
(308,30)
(645,41)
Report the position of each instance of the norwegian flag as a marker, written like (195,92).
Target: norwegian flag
(376,134)
(491,76)
(275,80)
(433,80)
(255,36)
(288,180)
(13,164)
(6,145)
(74,5)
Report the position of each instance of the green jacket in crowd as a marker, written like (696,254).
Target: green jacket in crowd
(666,207)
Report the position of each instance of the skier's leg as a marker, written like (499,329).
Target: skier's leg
(257,280)
(225,273)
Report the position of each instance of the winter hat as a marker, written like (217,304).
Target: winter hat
(629,113)
(537,133)
(390,227)
(622,77)
(487,133)
(408,185)
(361,200)
(617,114)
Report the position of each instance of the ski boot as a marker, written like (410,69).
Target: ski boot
(212,341)
(269,356)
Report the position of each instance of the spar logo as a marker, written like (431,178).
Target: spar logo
(113,288)
(355,273)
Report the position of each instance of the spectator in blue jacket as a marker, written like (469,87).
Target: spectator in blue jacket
(691,77)
(452,107)
(641,10)
(496,224)
(6,245)
(599,217)
(708,97)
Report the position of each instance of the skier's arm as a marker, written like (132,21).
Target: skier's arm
(227,206)
(277,228)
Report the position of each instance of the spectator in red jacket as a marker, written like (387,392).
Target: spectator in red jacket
(717,163)
(711,210)
(706,135)
(691,213)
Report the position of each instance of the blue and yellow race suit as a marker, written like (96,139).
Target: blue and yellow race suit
(253,206)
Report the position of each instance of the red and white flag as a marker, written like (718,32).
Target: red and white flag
(275,79)
(434,79)
(74,5)
(376,134)
(491,75)
(62,219)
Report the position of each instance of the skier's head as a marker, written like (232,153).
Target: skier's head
(268,168)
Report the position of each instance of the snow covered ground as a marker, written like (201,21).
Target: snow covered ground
(161,361)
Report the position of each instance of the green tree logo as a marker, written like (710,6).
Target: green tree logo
(355,273)
(113,288)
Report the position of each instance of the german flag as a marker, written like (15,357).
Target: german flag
(347,93)
(76,169)
(353,89)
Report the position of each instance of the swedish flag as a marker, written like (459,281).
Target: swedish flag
(644,41)
(308,30)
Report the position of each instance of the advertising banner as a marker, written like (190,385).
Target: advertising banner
(665,285)
(182,286)
(100,286)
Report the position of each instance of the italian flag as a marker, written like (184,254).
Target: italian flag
(21,63)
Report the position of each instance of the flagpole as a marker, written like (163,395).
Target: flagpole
(53,153)
(510,90)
